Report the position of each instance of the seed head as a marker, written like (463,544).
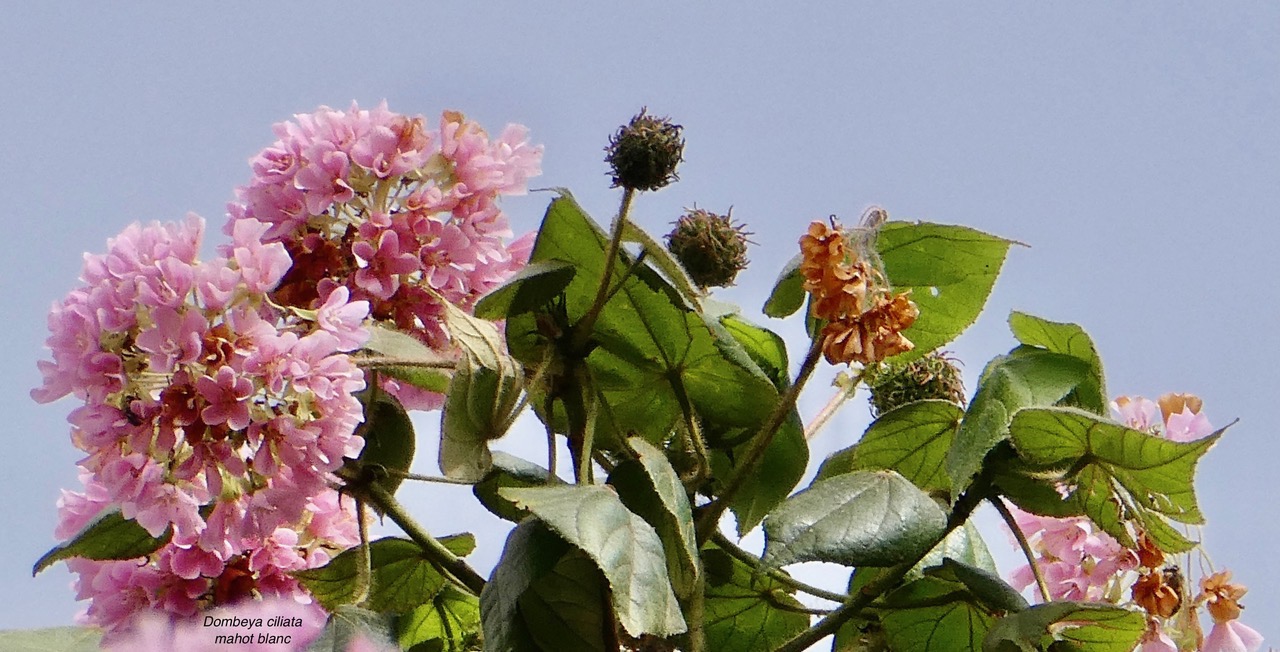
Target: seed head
(934,376)
(645,152)
(711,247)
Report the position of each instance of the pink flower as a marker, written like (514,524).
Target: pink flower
(1232,636)
(344,320)
(1187,426)
(1137,413)
(323,178)
(175,338)
(228,396)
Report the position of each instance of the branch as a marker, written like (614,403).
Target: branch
(709,519)
(1024,545)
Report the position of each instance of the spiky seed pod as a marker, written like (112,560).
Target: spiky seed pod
(645,152)
(935,376)
(711,247)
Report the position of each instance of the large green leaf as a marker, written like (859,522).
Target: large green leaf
(531,552)
(109,536)
(1069,339)
(765,348)
(389,440)
(912,439)
(649,487)
(401,577)
(662,258)
(1092,627)
(934,615)
(532,287)
(1115,473)
(857,519)
(625,548)
(52,639)
(746,611)
(450,622)
(509,471)
(651,350)
(983,583)
(1026,377)
(566,609)
(779,469)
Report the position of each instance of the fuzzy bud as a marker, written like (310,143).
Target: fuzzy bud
(932,377)
(710,247)
(645,152)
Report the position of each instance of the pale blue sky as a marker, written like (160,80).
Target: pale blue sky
(1134,147)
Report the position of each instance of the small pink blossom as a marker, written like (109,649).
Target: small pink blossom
(1232,636)
(228,396)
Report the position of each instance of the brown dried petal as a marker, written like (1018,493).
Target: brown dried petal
(1172,403)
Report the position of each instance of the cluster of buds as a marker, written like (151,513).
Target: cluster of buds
(400,215)
(644,153)
(864,319)
(933,376)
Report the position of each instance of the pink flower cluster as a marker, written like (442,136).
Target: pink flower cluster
(376,203)
(1078,563)
(207,411)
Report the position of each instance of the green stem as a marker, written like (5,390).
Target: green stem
(1024,545)
(448,563)
(364,569)
(695,615)
(583,329)
(418,477)
(774,573)
(709,519)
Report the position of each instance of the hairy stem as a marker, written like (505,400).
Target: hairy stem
(1024,545)
(364,569)
(709,519)
(441,557)
(583,329)
(774,573)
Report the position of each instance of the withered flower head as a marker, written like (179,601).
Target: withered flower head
(933,376)
(1159,592)
(645,152)
(864,319)
(1172,403)
(710,247)
(1222,598)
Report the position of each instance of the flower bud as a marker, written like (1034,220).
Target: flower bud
(645,152)
(710,247)
(932,377)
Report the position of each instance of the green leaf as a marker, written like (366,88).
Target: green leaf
(788,291)
(963,544)
(765,348)
(649,487)
(1118,473)
(565,610)
(389,440)
(950,271)
(51,639)
(983,583)
(110,536)
(651,351)
(1069,339)
(401,577)
(780,468)
(449,623)
(623,546)
(532,551)
(1026,377)
(348,624)
(857,519)
(932,615)
(418,364)
(661,257)
(508,471)
(477,410)
(746,611)
(535,285)
(912,439)
(1094,627)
